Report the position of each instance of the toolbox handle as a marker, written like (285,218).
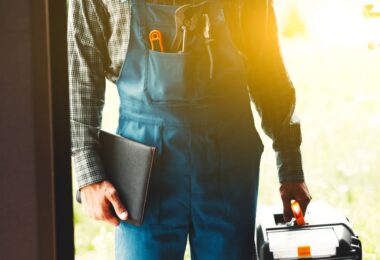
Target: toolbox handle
(297,213)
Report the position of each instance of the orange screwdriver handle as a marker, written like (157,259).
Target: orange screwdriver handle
(297,212)
(155,37)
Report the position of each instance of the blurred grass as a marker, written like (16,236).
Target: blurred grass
(337,81)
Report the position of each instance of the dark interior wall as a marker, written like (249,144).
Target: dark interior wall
(25,150)
(34,154)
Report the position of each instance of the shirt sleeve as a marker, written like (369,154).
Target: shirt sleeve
(87,54)
(271,89)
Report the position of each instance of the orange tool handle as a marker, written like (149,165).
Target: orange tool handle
(155,37)
(297,212)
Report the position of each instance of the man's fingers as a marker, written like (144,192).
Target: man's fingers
(117,205)
(303,197)
(304,202)
(105,214)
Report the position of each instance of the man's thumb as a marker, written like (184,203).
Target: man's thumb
(287,211)
(118,206)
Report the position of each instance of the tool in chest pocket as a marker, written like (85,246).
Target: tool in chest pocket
(208,41)
(188,22)
(193,32)
(156,40)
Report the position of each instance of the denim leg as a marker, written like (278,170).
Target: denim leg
(150,242)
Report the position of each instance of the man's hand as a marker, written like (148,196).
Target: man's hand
(294,191)
(97,200)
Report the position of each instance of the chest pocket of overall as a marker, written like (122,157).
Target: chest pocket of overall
(175,77)
(190,76)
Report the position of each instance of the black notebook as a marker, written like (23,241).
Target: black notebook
(128,165)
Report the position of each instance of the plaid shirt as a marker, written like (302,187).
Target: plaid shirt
(98,35)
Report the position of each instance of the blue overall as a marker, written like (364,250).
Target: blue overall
(205,182)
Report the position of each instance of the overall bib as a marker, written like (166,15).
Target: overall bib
(205,182)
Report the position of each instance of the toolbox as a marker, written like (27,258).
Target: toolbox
(326,234)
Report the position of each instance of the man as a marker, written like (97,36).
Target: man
(193,104)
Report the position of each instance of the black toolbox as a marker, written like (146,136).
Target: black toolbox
(326,235)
